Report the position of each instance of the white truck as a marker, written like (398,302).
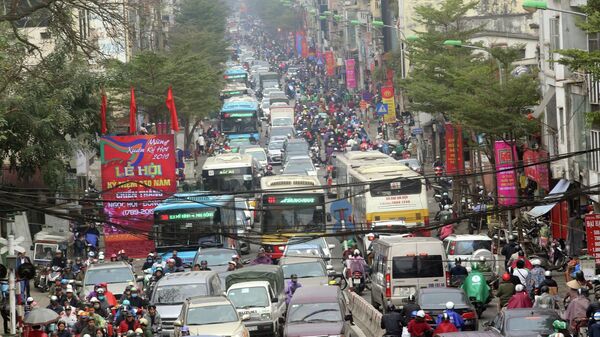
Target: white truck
(259,292)
(282,116)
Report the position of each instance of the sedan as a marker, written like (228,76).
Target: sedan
(217,258)
(274,152)
(310,271)
(321,242)
(304,249)
(433,302)
(524,322)
(300,166)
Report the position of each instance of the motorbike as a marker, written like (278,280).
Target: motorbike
(477,290)
(54,274)
(358,282)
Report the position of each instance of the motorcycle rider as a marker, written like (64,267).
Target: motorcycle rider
(204,265)
(505,290)
(476,288)
(509,249)
(153,318)
(269,171)
(576,311)
(149,261)
(70,298)
(356,263)
(391,322)
(453,316)
(54,305)
(550,283)
(458,271)
(408,309)
(418,327)
(594,330)
(58,260)
(445,200)
(520,299)
(445,325)
(445,214)
(545,300)
(536,276)
(291,288)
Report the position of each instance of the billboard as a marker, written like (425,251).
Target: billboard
(350,74)
(387,97)
(506,156)
(137,173)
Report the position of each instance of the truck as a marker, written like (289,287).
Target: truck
(282,116)
(259,291)
(269,80)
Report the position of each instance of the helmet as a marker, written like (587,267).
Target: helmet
(519,287)
(597,316)
(536,262)
(482,258)
(559,325)
(94,299)
(445,193)
(411,298)
(421,313)
(356,252)
(53,298)
(125,302)
(138,330)
(391,306)
(143,321)
(511,238)
(506,277)
(445,316)
(446,207)
(269,167)
(449,305)
(548,273)
(544,289)
(29,299)
(91,254)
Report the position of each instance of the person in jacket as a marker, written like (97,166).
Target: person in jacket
(520,299)
(61,329)
(594,330)
(445,325)
(418,327)
(577,309)
(545,300)
(408,309)
(509,249)
(521,257)
(261,258)
(129,323)
(391,322)
(153,318)
(453,316)
(291,287)
(536,276)
(505,290)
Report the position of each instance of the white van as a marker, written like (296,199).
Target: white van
(402,265)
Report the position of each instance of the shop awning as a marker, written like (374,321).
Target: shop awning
(560,188)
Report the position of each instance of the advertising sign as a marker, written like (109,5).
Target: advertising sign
(137,173)
(592,230)
(350,74)
(330,63)
(455,163)
(387,97)
(506,155)
(539,172)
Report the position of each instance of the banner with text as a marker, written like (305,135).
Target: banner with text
(506,155)
(539,172)
(330,63)
(455,163)
(387,97)
(350,74)
(592,229)
(137,173)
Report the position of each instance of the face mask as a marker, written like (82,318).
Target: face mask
(101,298)
(134,295)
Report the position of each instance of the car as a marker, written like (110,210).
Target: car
(305,249)
(299,165)
(468,248)
(267,91)
(211,315)
(274,151)
(321,242)
(217,258)
(117,275)
(317,311)
(257,153)
(310,271)
(527,322)
(413,163)
(171,291)
(280,133)
(433,302)
(294,147)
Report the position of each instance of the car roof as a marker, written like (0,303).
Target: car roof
(202,301)
(467,237)
(297,140)
(523,312)
(187,277)
(298,259)
(109,265)
(211,249)
(316,294)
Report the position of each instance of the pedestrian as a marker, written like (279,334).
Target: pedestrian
(391,322)
(291,287)
(22,258)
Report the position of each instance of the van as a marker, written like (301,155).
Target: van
(402,265)
(172,290)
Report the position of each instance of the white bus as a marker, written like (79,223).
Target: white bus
(388,191)
(231,172)
(343,162)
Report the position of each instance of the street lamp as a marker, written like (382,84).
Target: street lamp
(533,5)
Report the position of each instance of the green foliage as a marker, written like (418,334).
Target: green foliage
(463,83)
(46,116)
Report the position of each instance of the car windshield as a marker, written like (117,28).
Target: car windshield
(304,251)
(437,300)
(468,247)
(282,121)
(301,147)
(298,166)
(275,145)
(214,314)
(258,155)
(316,242)
(215,257)
(176,294)
(417,266)
(306,269)
(243,298)
(314,313)
(108,275)
(539,324)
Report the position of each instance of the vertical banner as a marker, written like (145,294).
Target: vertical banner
(592,230)
(298,44)
(539,171)
(506,155)
(137,173)
(304,45)
(330,63)
(387,97)
(455,163)
(350,74)
(543,175)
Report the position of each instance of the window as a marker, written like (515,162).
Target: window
(595,155)
(593,41)
(45,35)
(554,40)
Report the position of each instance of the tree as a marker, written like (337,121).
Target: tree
(47,116)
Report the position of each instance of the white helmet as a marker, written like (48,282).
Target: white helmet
(29,299)
(536,262)
(421,313)
(91,254)
(519,287)
(449,305)
(356,252)
(53,298)
(547,273)
(446,207)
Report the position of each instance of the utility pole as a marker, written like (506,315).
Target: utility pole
(11,282)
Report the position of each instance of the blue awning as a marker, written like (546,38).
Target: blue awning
(560,188)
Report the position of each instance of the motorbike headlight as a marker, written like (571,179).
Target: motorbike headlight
(265,316)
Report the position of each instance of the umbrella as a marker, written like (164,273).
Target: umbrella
(41,316)
(573,284)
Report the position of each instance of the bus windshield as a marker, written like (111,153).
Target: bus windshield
(239,122)
(293,213)
(193,225)
(228,180)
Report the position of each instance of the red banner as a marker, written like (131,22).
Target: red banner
(539,172)
(137,173)
(330,63)
(592,230)
(506,181)
(455,163)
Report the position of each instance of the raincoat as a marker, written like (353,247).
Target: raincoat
(476,286)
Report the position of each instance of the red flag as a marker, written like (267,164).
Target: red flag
(132,113)
(103,128)
(171,106)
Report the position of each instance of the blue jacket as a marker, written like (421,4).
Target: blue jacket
(290,288)
(455,319)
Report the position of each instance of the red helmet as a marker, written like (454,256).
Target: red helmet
(506,277)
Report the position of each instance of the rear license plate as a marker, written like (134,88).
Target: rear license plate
(252,328)
(355,281)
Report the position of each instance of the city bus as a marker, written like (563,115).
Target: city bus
(239,119)
(388,191)
(231,172)
(236,74)
(234,90)
(343,162)
(187,221)
(290,205)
